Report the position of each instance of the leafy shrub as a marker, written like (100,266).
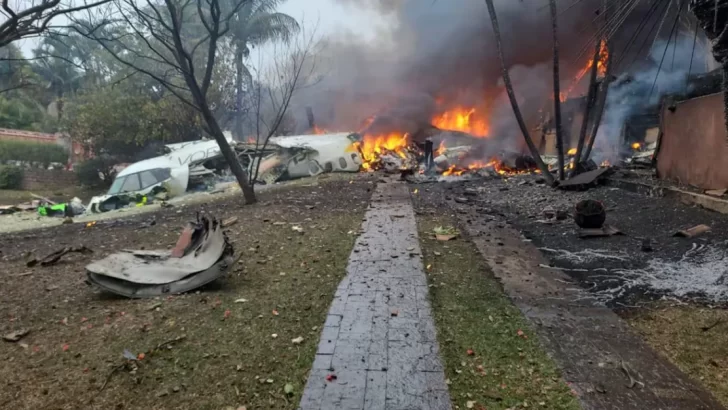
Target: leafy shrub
(32,152)
(96,172)
(11,177)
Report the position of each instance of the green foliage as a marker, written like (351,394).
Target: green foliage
(96,172)
(11,177)
(120,123)
(44,154)
(20,113)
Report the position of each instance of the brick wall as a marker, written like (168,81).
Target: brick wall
(37,179)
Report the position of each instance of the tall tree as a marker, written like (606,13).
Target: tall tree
(30,18)
(557,91)
(180,39)
(255,23)
(57,70)
(512,96)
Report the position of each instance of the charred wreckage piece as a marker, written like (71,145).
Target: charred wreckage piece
(202,255)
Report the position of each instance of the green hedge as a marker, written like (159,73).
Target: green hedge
(32,152)
(11,177)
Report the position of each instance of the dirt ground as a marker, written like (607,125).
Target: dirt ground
(229,344)
(13,197)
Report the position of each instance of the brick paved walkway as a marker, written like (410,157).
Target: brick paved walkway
(379,338)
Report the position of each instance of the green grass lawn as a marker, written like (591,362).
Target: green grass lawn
(493,359)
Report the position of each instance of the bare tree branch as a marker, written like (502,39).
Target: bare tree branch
(34,20)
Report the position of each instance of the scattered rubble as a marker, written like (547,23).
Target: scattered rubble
(693,232)
(590,214)
(56,256)
(446,233)
(16,335)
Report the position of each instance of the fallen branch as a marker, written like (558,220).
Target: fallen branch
(632,381)
(114,370)
(131,360)
(168,342)
(707,328)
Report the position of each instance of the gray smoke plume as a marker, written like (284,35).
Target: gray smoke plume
(642,89)
(440,54)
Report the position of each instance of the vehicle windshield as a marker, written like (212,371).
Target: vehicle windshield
(139,181)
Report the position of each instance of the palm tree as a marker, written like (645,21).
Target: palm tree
(56,66)
(256,23)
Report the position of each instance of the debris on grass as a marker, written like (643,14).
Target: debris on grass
(129,355)
(241,300)
(298,229)
(229,222)
(206,255)
(288,389)
(15,336)
(446,233)
(709,327)
(298,340)
(56,256)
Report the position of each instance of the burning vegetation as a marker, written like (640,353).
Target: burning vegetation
(601,71)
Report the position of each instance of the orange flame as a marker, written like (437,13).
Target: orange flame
(319,131)
(462,119)
(571,151)
(441,149)
(601,70)
(372,147)
(495,164)
(636,146)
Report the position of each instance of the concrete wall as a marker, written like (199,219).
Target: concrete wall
(694,144)
(37,179)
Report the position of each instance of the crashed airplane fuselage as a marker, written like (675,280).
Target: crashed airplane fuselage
(170,173)
(283,158)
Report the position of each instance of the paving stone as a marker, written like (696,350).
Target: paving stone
(376,384)
(379,337)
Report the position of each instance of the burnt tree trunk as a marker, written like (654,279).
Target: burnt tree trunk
(200,99)
(712,16)
(557,92)
(512,96)
(600,107)
(587,110)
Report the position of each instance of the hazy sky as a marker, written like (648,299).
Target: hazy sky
(330,15)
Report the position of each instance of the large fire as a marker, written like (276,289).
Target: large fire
(601,70)
(462,119)
(372,147)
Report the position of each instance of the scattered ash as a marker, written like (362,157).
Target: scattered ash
(616,270)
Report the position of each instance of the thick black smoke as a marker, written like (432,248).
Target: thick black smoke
(441,54)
